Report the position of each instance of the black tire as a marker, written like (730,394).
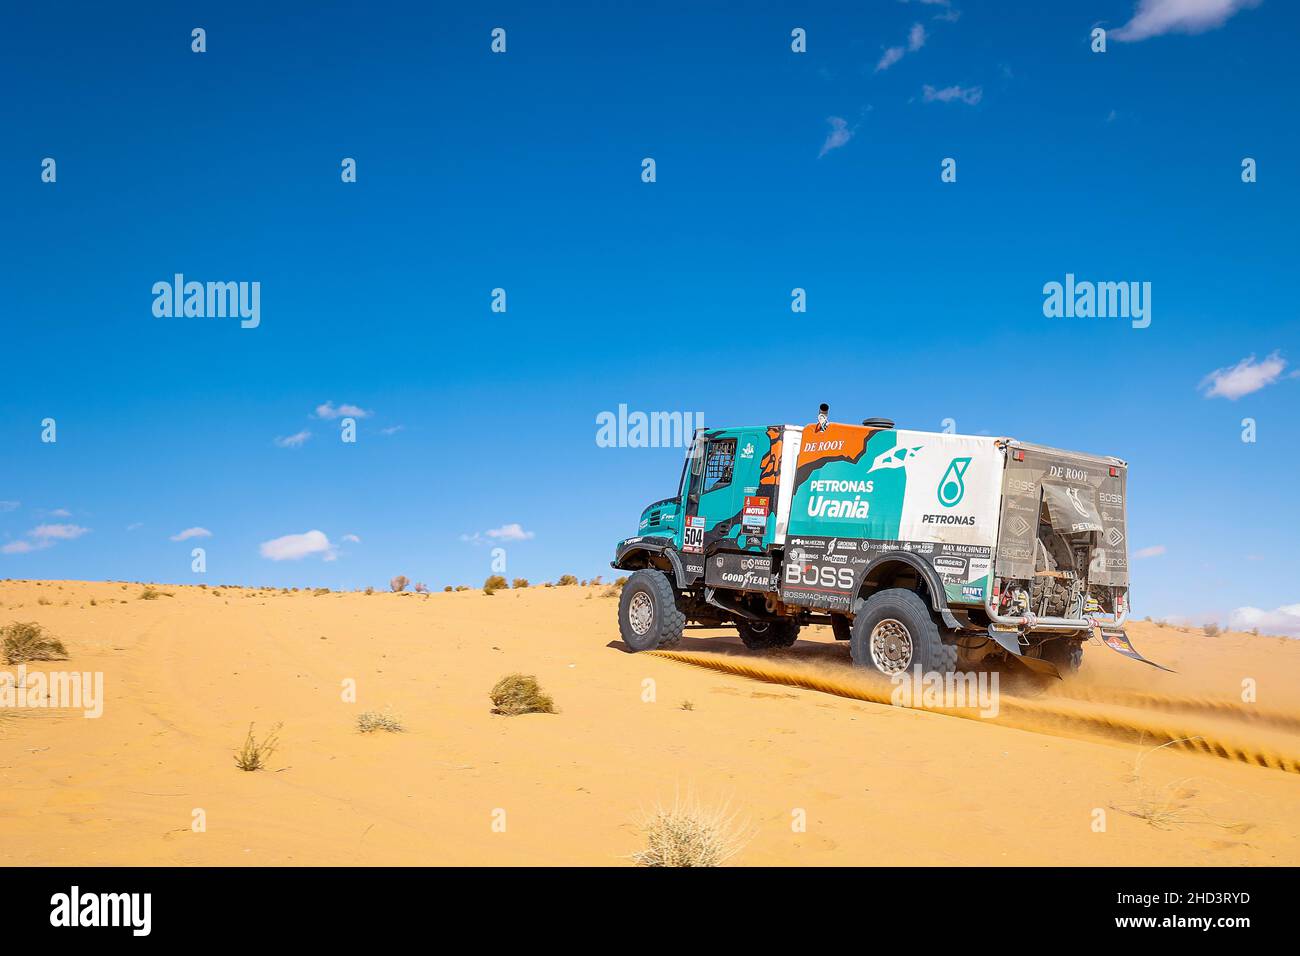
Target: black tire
(1065,652)
(841,627)
(659,622)
(918,643)
(761,635)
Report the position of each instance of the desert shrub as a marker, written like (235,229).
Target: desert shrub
(93,603)
(596,579)
(517,694)
(370,590)
(689,834)
(28,642)
(447,589)
(422,589)
(398,583)
(371,720)
(319,591)
(494,583)
(688,705)
(462,587)
(149,594)
(1211,630)
(566,580)
(254,754)
(619,582)
(43,600)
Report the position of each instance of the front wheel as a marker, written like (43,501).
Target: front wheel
(895,632)
(761,635)
(648,616)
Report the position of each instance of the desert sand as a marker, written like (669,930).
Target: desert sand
(184,676)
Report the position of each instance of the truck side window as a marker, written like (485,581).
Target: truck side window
(718,462)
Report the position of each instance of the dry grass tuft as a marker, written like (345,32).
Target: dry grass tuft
(371,720)
(517,694)
(254,754)
(27,642)
(689,834)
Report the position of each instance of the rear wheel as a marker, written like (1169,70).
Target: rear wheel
(761,635)
(648,616)
(895,632)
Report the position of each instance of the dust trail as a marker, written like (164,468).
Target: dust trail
(1060,716)
(1231,709)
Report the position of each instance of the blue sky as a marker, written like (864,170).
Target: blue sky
(522,171)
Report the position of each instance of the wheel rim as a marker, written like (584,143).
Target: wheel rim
(641,613)
(891,646)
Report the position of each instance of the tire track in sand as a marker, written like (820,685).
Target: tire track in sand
(1195,725)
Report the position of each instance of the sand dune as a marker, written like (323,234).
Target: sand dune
(185,674)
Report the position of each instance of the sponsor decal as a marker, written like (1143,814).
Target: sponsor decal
(693,534)
(948,519)
(754,517)
(1110,498)
(748,450)
(894,458)
(952,486)
(1069,474)
(821,446)
(822,507)
(1020,527)
(1114,537)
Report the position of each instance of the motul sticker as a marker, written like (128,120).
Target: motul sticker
(693,534)
(754,517)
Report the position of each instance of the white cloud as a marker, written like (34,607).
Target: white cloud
(135,524)
(43,536)
(838,136)
(1282,620)
(60,532)
(60,513)
(293,441)
(1153,18)
(292,547)
(970,95)
(351,539)
(330,410)
(916,38)
(1243,378)
(192,533)
(1152,552)
(9,505)
(507,532)
(889,58)
(391,429)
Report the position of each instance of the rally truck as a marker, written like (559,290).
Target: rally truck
(920,549)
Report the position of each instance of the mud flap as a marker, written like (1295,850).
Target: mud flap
(1009,639)
(1117,640)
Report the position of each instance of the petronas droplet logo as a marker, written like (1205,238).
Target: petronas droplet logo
(952,486)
